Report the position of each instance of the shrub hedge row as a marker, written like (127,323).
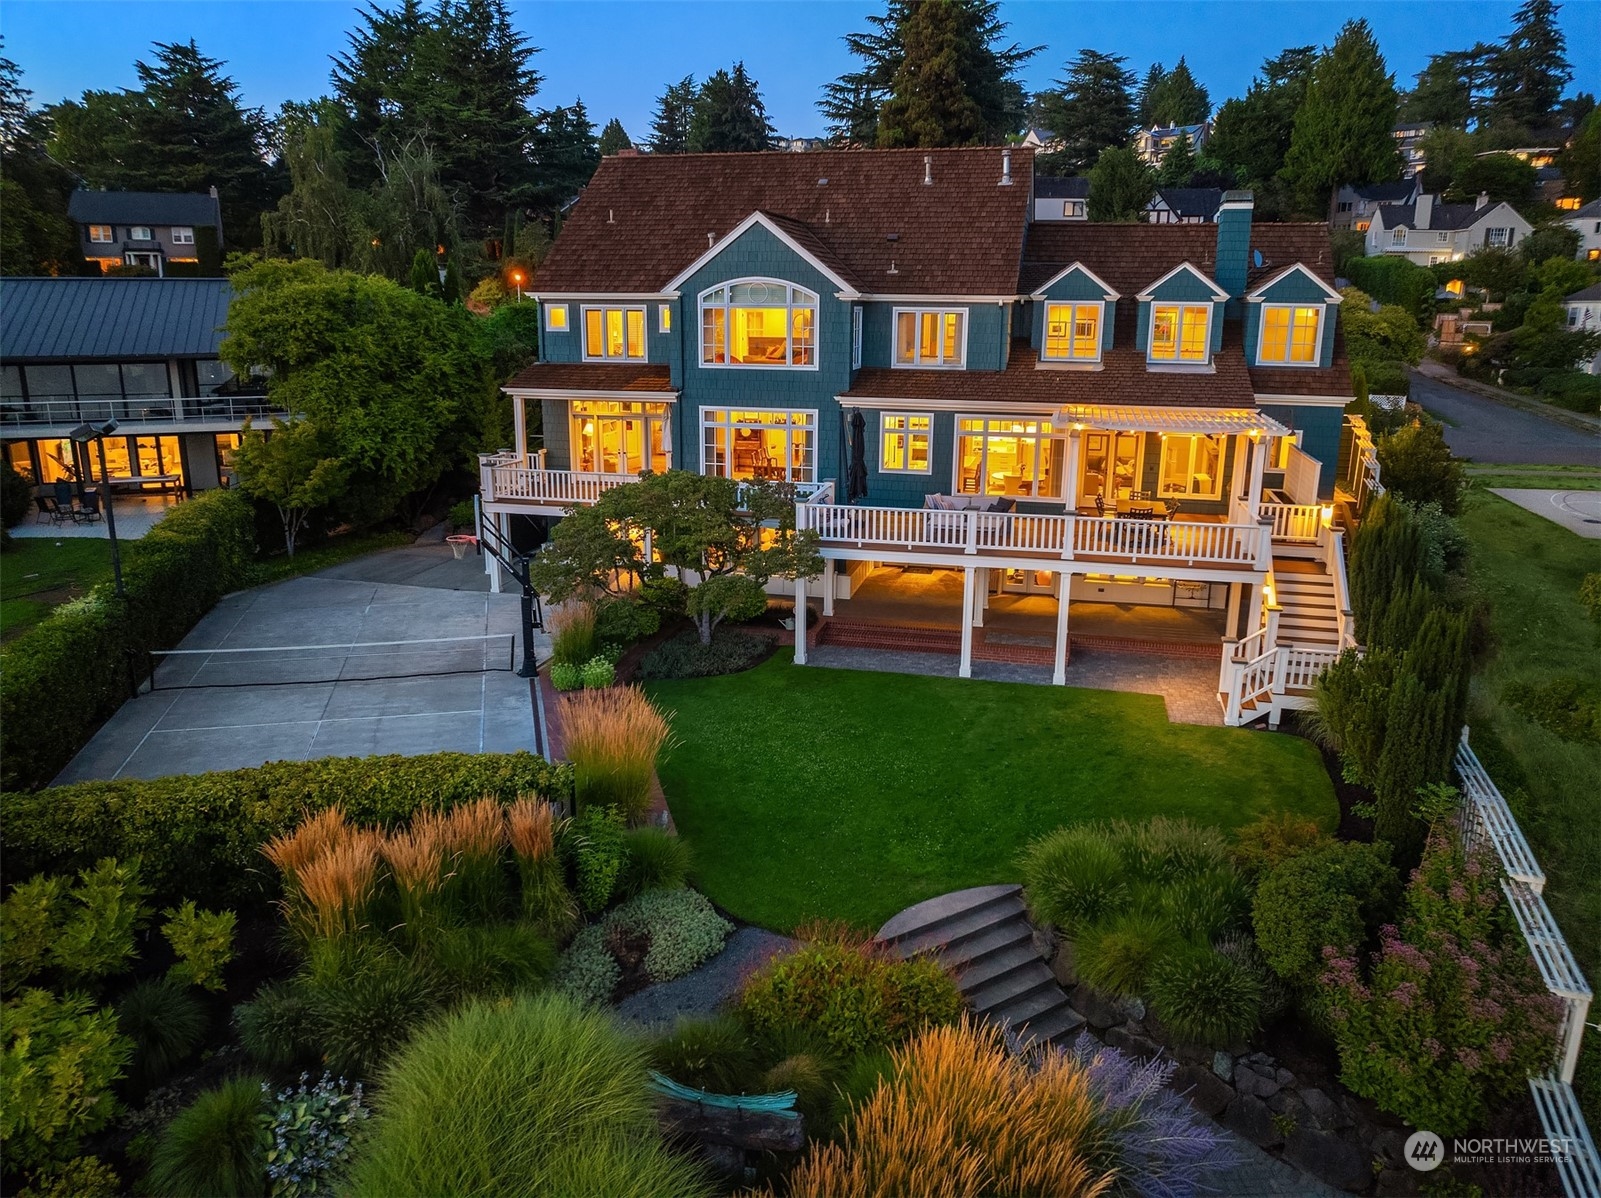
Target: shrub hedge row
(1393,280)
(199,836)
(68,674)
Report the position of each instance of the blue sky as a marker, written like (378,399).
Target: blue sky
(619,54)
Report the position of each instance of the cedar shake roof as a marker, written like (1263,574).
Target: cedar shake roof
(1286,244)
(1128,257)
(646,378)
(643,219)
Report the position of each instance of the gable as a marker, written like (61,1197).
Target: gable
(1184,282)
(759,251)
(1295,284)
(1076,282)
(792,236)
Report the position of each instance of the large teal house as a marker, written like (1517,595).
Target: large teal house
(1141,421)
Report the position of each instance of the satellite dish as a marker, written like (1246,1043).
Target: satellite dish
(1256,259)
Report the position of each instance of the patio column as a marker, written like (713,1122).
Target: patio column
(800,621)
(1070,483)
(830,580)
(1253,496)
(1059,673)
(982,599)
(520,419)
(1258,603)
(1231,619)
(494,563)
(964,668)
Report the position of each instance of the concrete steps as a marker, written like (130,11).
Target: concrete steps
(984,936)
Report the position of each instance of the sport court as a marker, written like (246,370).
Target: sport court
(356,664)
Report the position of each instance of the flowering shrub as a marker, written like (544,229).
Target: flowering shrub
(1452,1017)
(313,1129)
(598,672)
(566,675)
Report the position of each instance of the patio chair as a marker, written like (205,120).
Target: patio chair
(89,512)
(47,509)
(1138,495)
(1142,513)
(1100,506)
(1172,509)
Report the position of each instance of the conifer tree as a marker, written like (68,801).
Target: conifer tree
(1342,133)
(1175,98)
(929,104)
(1121,185)
(1531,69)
(614,138)
(1178,164)
(675,107)
(565,154)
(1252,133)
(1089,110)
(729,116)
(1150,90)
(35,235)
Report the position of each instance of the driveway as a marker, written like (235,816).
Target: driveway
(1486,431)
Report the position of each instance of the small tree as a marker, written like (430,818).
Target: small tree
(294,470)
(16,495)
(1417,465)
(1120,186)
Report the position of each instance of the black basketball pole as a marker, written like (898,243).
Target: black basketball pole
(516,564)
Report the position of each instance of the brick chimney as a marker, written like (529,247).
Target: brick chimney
(1234,241)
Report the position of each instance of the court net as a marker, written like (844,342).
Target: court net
(301,665)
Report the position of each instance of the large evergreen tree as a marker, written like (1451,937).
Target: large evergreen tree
(614,138)
(1251,134)
(1173,98)
(1149,91)
(1089,110)
(1178,164)
(675,107)
(729,115)
(36,238)
(1343,131)
(1531,69)
(982,75)
(1121,185)
(929,104)
(565,153)
(1441,94)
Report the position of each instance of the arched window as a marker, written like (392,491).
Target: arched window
(758,322)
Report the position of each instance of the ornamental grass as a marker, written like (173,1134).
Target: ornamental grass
(297,848)
(958,1116)
(338,887)
(613,738)
(572,634)
(416,860)
(531,826)
(472,837)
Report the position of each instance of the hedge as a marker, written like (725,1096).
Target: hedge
(1394,280)
(199,836)
(67,675)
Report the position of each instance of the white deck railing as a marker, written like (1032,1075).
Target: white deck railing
(1578,1163)
(1278,678)
(1332,542)
(1294,521)
(502,479)
(1063,537)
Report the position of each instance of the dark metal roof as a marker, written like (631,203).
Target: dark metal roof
(1064,187)
(1192,201)
(144,208)
(1592,292)
(1387,193)
(75,320)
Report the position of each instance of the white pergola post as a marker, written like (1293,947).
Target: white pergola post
(1231,616)
(520,417)
(800,621)
(830,581)
(1070,484)
(1059,672)
(964,667)
(1253,495)
(981,600)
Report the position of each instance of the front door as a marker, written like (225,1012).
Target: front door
(1029,582)
(1111,466)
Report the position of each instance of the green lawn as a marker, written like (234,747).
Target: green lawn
(37,573)
(1556,478)
(812,793)
(1528,570)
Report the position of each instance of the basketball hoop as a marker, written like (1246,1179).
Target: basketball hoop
(458,544)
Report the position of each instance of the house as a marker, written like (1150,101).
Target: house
(1584,315)
(139,351)
(1353,204)
(145,228)
(1153,144)
(1409,137)
(1061,198)
(1140,424)
(1041,140)
(1184,205)
(1586,222)
(1428,231)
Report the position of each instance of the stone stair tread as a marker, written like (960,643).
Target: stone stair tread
(950,932)
(936,910)
(978,947)
(984,969)
(1011,987)
(1028,1007)
(1060,1026)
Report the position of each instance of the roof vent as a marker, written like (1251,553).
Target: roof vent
(892,270)
(711,240)
(928,170)
(826,212)
(892,236)
(1006,168)
(823,182)
(610,219)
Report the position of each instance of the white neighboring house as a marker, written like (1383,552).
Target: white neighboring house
(1584,316)
(1586,222)
(1064,198)
(1427,231)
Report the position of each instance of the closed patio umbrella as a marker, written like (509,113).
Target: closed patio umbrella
(856,476)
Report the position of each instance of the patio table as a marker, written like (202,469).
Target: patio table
(1158,508)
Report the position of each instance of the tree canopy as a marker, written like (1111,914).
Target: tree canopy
(1342,131)
(1121,185)
(35,237)
(1090,108)
(1169,98)
(1251,134)
(728,115)
(614,138)
(669,127)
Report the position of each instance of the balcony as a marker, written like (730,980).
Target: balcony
(39,415)
(509,480)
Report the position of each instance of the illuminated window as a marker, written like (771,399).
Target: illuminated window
(1073,209)
(758,323)
(101,233)
(1362,226)
(776,446)
(904,444)
(1569,203)
(1072,333)
(1002,456)
(556,318)
(856,338)
(1593,256)
(610,437)
(1192,467)
(930,338)
(183,235)
(1498,237)
(664,318)
(1179,332)
(614,333)
(1290,334)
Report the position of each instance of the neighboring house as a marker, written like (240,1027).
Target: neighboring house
(1427,231)
(1353,204)
(799,143)
(1140,415)
(144,228)
(1586,222)
(1409,140)
(1041,140)
(1584,316)
(1184,205)
(1153,144)
(1061,198)
(142,352)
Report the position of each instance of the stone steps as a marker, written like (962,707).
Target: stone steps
(984,937)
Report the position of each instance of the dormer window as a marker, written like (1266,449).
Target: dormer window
(1180,332)
(930,339)
(1399,236)
(758,322)
(1072,333)
(140,233)
(1290,334)
(614,334)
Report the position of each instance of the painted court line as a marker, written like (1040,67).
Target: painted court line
(336,719)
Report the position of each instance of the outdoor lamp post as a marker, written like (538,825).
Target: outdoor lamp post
(83,435)
(517,278)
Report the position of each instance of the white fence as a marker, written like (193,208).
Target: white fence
(1294,521)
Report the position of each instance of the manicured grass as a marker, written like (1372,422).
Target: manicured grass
(1556,478)
(330,553)
(813,793)
(1528,570)
(37,573)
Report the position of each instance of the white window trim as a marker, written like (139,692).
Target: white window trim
(789,328)
(1442,237)
(183,235)
(583,322)
(856,337)
(1222,465)
(1398,235)
(575,421)
(1100,330)
(894,334)
(134,232)
(664,318)
(566,315)
(1177,359)
(1042,439)
(908,433)
(1317,343)
(110,234)
(730,425)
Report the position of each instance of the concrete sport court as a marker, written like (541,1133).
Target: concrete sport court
(334,707)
